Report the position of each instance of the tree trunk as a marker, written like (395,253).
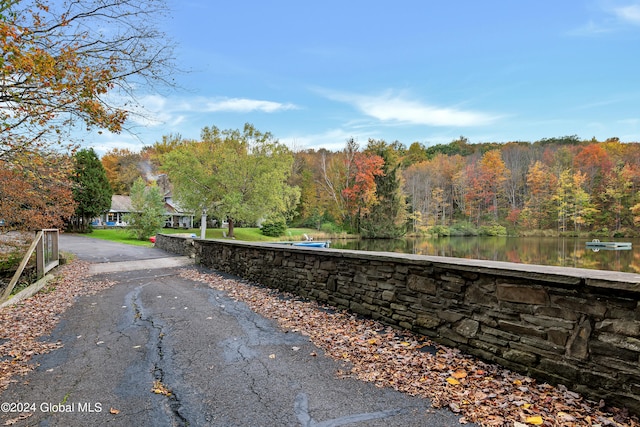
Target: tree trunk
(230,221)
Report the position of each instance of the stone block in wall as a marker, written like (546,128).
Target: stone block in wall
(450,316)
(452,283)
(629,328)
(432,303)
(557,313)
(598,379)
(481,294)
(360,278)
(486,346)
(543,347)
(578,343)
(613,364)
(467,328)
(548,322)
(427,321)
(450,334)
(485,319)
(600,348)
(388,296)
(329,265)
(492,339)
(522,294)
(332,285)
(398,307)
(620,341)
(558,336)
(519,329)
(499,333)
(520,357)
(424,285)
(580,305)
(359,308)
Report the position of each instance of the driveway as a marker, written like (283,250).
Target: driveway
(157,349)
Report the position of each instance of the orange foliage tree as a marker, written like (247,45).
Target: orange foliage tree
(36,192)
(361,194)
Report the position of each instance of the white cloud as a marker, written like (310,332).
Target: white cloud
(243,105)
(389,107)
(615,18)
(156,110)
(630,13)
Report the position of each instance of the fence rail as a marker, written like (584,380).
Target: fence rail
(45,246)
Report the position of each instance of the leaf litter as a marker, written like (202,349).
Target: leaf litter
(479,392)
(23,324)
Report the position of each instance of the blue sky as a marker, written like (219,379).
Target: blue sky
(317,73)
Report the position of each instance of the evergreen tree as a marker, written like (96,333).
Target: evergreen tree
(91,192)
(387,218)
(147,216)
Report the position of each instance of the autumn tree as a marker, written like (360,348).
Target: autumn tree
(123,167)
(541,184)
(361,195)
(240,176)
(63,61)
(573,203)
(486,178)
(312,210)
(349,179)
(35,190)
(91,191)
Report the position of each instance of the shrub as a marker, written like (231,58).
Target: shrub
(463,229)
(330,228)
(274,228)
(492,230)
(439,230)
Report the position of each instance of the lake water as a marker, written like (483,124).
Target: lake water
(566,252)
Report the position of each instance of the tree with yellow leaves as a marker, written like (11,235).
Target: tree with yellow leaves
(62,62)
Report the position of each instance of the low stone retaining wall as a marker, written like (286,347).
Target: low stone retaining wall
(179,244)
(576,327)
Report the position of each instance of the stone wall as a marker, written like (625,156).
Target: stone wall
(176,243)
(576,327)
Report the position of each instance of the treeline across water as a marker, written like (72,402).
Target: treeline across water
(564,185)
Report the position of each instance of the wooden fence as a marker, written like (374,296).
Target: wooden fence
(45,246)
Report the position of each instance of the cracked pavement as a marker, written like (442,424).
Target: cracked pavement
(211,360)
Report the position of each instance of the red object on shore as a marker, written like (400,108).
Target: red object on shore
(152,239)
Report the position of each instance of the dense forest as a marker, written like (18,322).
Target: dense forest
(381,189)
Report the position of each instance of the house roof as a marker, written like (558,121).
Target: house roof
(120,203)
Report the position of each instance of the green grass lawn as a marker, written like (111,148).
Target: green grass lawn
(247,234)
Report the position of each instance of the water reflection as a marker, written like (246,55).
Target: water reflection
(527,250)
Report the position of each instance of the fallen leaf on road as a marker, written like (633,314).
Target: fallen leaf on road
(114,411)
(159,388)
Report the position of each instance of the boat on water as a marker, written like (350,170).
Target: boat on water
(597,244)
(313,244)
(309,244)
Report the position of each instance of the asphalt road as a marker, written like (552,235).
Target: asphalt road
(223,364)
